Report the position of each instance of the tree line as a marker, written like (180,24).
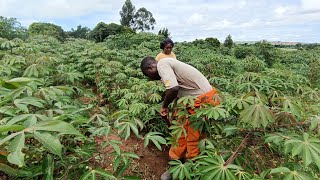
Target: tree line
(131,21)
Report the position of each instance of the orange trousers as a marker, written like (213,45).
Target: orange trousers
(188,146)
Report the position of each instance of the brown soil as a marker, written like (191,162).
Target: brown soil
(151,164)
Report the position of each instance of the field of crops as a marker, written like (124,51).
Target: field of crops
(57,99)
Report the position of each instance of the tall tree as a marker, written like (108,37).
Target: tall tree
(164,32)
(47,29)
(267,52)
(80,32)
(10,28)
(141,20)
(214,42)
(228,42)
(127,13)
(103,30)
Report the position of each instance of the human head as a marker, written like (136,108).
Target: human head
(149,68)
(167,45)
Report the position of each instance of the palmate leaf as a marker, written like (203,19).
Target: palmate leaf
(313,94)
(242,175)
(212,112)
(129,96)
(32,118)
(276,138)
(33,70)
(248,87)
(212,167)
(24,102)
(177,128)
(289,105)
(93,175)
(125,126)
(57,126)
(187,101)
(180,170)
(13,95)
(100,118)
(199,123)
(292,107)
(230,130)
(286,174)
(14,172)
(140,94)
(48,167)
(155,138)
(8,110)
(241,103)
(70,76)
(52,92)
(12,128)
(16,156)
(315,124)
(257,115)
(122,103)
(120,77)
(306,147)
(137,108)
(155,97)
(50,142)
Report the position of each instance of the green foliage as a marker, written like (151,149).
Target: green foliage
(228,42)
(47,29)
(92,174)
(102,31)
(214,167)
(253,64)
(242,52)
(164,32)
(127,13)
(214,42)
(180,170)
(141,20)
(267,52)
(10,28)
(207,43)
(58,98)
(155,138)
(257,115)
(80,32)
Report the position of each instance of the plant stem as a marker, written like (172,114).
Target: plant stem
(235,153)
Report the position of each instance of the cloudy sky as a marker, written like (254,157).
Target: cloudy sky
(245,20)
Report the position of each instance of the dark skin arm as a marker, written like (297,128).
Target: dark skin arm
(171,94)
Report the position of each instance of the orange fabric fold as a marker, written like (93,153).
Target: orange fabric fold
(188,146)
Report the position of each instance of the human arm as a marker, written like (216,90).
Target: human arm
(169,79)
(170,96)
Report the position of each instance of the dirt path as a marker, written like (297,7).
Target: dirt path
(152,162)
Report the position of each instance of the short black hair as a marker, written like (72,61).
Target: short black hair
(145,63)
(165,42)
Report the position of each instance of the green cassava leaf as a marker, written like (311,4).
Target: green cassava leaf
(48,167)
(50,142)
(257,115)
(57,126)
(15,148)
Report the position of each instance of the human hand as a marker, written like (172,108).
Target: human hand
(164,112)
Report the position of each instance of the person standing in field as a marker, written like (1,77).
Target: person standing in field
(166,47)
(181,79)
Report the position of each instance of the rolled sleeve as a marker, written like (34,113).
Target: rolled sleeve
(167,75)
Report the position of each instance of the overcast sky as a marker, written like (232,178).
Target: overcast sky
(245,20)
